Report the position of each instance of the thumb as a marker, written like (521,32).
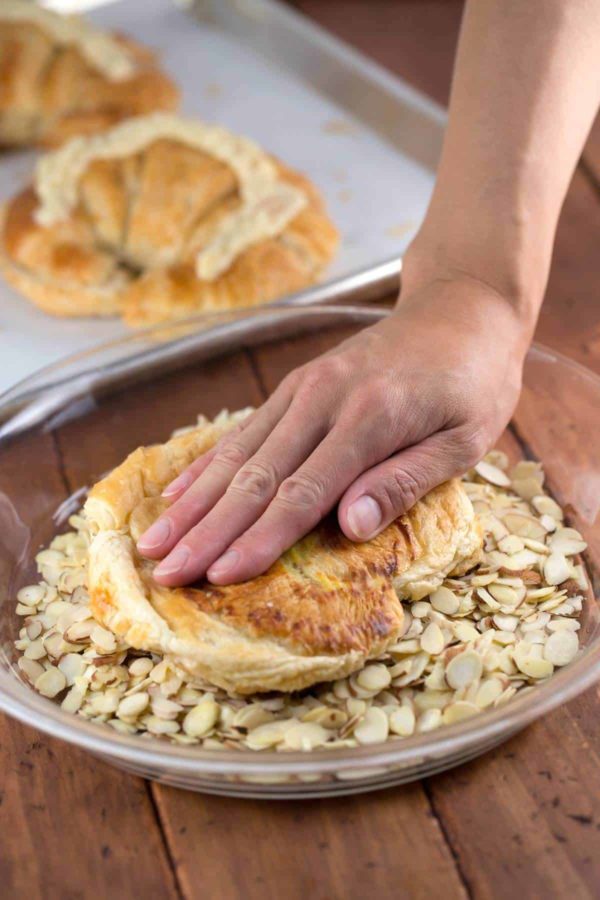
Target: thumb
(391,488)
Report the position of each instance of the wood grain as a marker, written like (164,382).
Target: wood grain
(526,815)
(386,845)
(570,318)
(67,820)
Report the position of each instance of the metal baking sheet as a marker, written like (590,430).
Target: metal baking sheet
(369,141)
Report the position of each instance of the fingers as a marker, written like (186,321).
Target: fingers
(215,471)
(300,503)
(179,485)
(246,498)
(176,488)
(391,488)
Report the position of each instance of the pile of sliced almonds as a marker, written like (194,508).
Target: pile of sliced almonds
(469,646)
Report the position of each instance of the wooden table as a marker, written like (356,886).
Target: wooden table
(522,821)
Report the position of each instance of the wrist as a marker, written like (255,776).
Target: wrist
(482,268)
(464,303)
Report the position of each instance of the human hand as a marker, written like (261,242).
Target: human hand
(372,425)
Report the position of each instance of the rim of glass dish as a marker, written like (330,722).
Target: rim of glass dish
(19,700)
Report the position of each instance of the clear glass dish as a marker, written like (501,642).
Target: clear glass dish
(63,427)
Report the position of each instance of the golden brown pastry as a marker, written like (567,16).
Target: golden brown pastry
(60,76)
(161,218)
(324,608)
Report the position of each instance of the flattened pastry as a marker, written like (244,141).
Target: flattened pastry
(323,609)
(161,218)
(60,77)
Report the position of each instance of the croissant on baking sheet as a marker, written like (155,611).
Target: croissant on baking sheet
(160,218)
(60,76)
(323,609)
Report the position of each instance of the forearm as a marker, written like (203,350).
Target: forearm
(525,91)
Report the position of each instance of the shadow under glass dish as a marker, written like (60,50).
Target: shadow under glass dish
(63,428)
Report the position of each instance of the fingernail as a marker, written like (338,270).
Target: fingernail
(364,517)
(155,536)
(174,562)
(223,564)
(182,482)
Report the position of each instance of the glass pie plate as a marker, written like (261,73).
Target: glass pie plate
(65,426)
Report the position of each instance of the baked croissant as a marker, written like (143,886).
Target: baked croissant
(323,609)
(60,76)
(161,218)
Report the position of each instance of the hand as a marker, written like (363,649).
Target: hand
(372,425)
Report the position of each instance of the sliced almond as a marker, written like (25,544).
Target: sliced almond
(492,474)
(445,601)
(458,711)
(567,541)
(429,720)
(72,665)
(32,595)
(201,719)
(251,716)
(432,640)
(557,569)
(534,667)
(133,706)
(373,728)
(51,682)
(402,721)
(511,544)
(527,488)
(374,677)
(326,716)
(30,668)
(507,595)
(488,692)
(268,735)
(561,647)
(464,669)
(305,736)
(524,526)
(546,506)
(141,666)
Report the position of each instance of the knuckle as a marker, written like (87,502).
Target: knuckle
(401,490)
(233,453)
(360,406)
(473,444)
(303,490)
(255,479)
(379,390)
(377,401)
(291,381)
(322,371)
(310,383)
